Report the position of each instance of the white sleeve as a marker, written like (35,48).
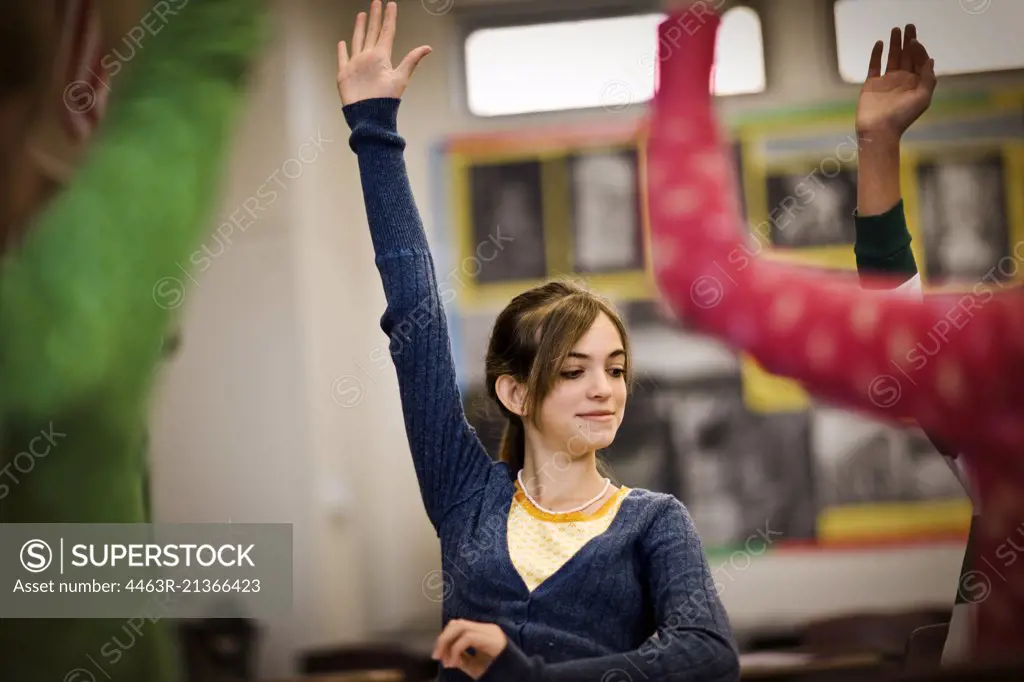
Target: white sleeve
(957,466)
(911,286)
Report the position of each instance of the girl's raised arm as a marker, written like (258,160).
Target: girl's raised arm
(450,461)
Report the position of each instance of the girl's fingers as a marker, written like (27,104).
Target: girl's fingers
(907,56)
(373,28)
(450,633)
(359,34)
(387,31)
(342,55)
(875,63)
(408,65)
(909,33)
(928,78)
(921,57)
(895,50)
(458,648)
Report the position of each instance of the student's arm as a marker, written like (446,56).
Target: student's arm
(882,248)
(878,173)
(888,104)
(693,641)
(859,348)
(86,298)
(883,242)
(451,463)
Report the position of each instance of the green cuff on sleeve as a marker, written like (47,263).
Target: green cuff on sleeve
(882,243)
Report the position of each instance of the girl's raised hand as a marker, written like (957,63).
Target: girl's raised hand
(890,102)
(368,72)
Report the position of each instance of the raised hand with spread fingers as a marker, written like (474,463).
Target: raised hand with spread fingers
(368,72)
(889,103)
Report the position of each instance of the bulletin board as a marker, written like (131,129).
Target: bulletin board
(572,201)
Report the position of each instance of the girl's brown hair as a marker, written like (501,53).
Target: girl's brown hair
(531,339)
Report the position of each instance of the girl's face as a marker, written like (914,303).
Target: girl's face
(585,407)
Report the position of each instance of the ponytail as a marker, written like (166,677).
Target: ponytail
(513,444)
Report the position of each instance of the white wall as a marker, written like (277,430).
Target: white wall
(250,425)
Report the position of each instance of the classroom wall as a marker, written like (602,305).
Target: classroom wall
(260,418)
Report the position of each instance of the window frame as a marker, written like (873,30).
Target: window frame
(977,78)
(507,15)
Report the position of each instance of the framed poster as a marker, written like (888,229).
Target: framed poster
(507,200)
(964,219)
(642,455)
(812,211)
(882,484)
(607,231)
(739,469)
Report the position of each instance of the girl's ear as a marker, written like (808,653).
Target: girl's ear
(512,394)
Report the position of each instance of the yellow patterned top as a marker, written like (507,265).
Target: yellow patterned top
(540,543)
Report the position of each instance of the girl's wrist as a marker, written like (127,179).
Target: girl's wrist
(877,139)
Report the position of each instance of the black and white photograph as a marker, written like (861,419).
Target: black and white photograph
(927,474)
(740,470)
(606,212)
(964,220)
(508,197)
(643,454)
(812,210)
(856,460)
(863,461)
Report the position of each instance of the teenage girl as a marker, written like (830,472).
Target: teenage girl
(954,365)
(557,574)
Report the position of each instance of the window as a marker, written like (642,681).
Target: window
(739,54)
(963,36)
(592,63)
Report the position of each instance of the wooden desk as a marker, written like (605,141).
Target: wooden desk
(374,676)
(770,665)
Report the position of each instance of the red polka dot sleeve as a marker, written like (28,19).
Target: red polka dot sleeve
(954,364)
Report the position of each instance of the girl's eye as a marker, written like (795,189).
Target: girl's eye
(617,372)
(572,374)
